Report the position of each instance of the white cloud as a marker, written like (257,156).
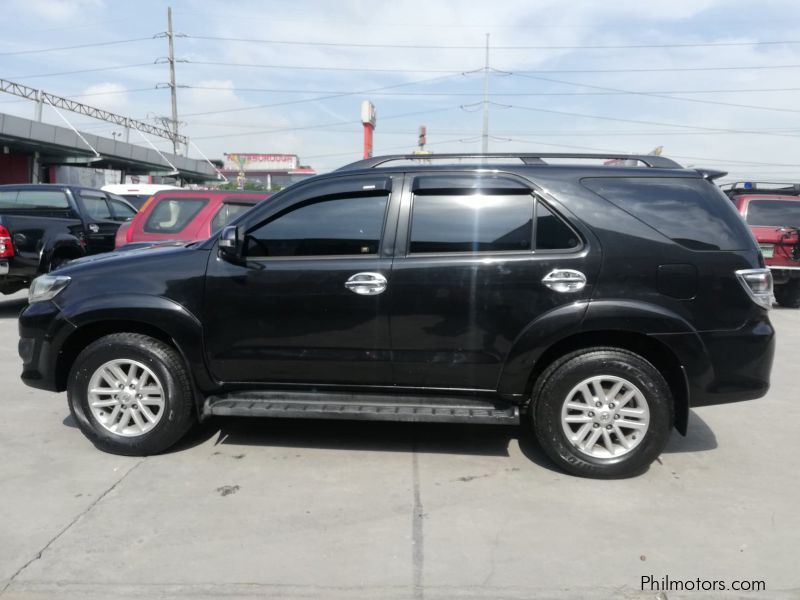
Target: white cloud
(59,10)
(109,96)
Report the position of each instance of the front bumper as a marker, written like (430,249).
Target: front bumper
(42,332)
(726,366)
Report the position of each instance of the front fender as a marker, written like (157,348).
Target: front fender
(175,320)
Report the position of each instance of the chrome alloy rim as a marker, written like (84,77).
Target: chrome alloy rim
(126,397)
(605,416)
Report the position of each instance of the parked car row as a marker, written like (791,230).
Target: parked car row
(43,226)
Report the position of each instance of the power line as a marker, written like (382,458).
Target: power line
(90,70)
(659,95)
(604,93)
(318,68)
(664,69)
(322,125)
(639,122)
(108,93)
(326,97)
(388,148)
(92,45)
(478,47)
(530,71)
(703,158)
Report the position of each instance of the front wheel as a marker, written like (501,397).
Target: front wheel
(131,394)
(788,294)
(603,413)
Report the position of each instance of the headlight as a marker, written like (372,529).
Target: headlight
(46,287)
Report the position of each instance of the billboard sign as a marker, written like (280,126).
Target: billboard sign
(260,162)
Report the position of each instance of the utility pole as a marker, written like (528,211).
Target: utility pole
(172,86)
(485,134)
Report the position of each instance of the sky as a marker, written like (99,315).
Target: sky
(715,82)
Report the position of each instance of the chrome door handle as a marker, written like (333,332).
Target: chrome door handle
(366,284)
(565,280)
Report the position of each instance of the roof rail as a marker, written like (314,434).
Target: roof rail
(761,187)
(650,160)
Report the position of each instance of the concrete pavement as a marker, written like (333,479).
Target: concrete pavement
(293,509)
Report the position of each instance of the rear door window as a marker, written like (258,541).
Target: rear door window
(773,213)
(95,206)
(120,210)
(474,222)
(172,215)
(691,212)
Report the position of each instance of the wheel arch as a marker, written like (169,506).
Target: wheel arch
(156,317)
(61,245)
(649,348)
(639,327)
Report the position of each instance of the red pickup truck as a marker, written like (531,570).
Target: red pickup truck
(773,212)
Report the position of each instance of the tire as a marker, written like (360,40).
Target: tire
(159,401)
(650,400)
(788,294)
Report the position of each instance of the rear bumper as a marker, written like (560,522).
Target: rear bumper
(42,332)
(726,366)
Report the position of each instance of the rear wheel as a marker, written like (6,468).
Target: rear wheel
(788,294)
(603,413)
(130,394)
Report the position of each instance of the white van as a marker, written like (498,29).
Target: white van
(136,193)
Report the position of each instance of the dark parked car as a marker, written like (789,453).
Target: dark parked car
(773,212)
(42,226)
(595,304)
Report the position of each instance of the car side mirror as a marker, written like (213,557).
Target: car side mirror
(230,246)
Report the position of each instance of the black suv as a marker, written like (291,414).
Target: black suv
(594,303)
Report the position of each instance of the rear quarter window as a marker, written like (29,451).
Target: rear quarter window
(34,200)
(172,215)
(691,212)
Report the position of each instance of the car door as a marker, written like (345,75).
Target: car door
(467,280)
(101,226)
(307,303)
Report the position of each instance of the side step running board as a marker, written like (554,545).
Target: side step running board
(373,407)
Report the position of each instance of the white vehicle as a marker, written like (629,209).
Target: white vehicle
(136,193)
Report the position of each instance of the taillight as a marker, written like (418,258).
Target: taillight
(758,285)
(129,233)
(6,247)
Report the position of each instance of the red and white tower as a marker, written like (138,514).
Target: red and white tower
(368,119)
